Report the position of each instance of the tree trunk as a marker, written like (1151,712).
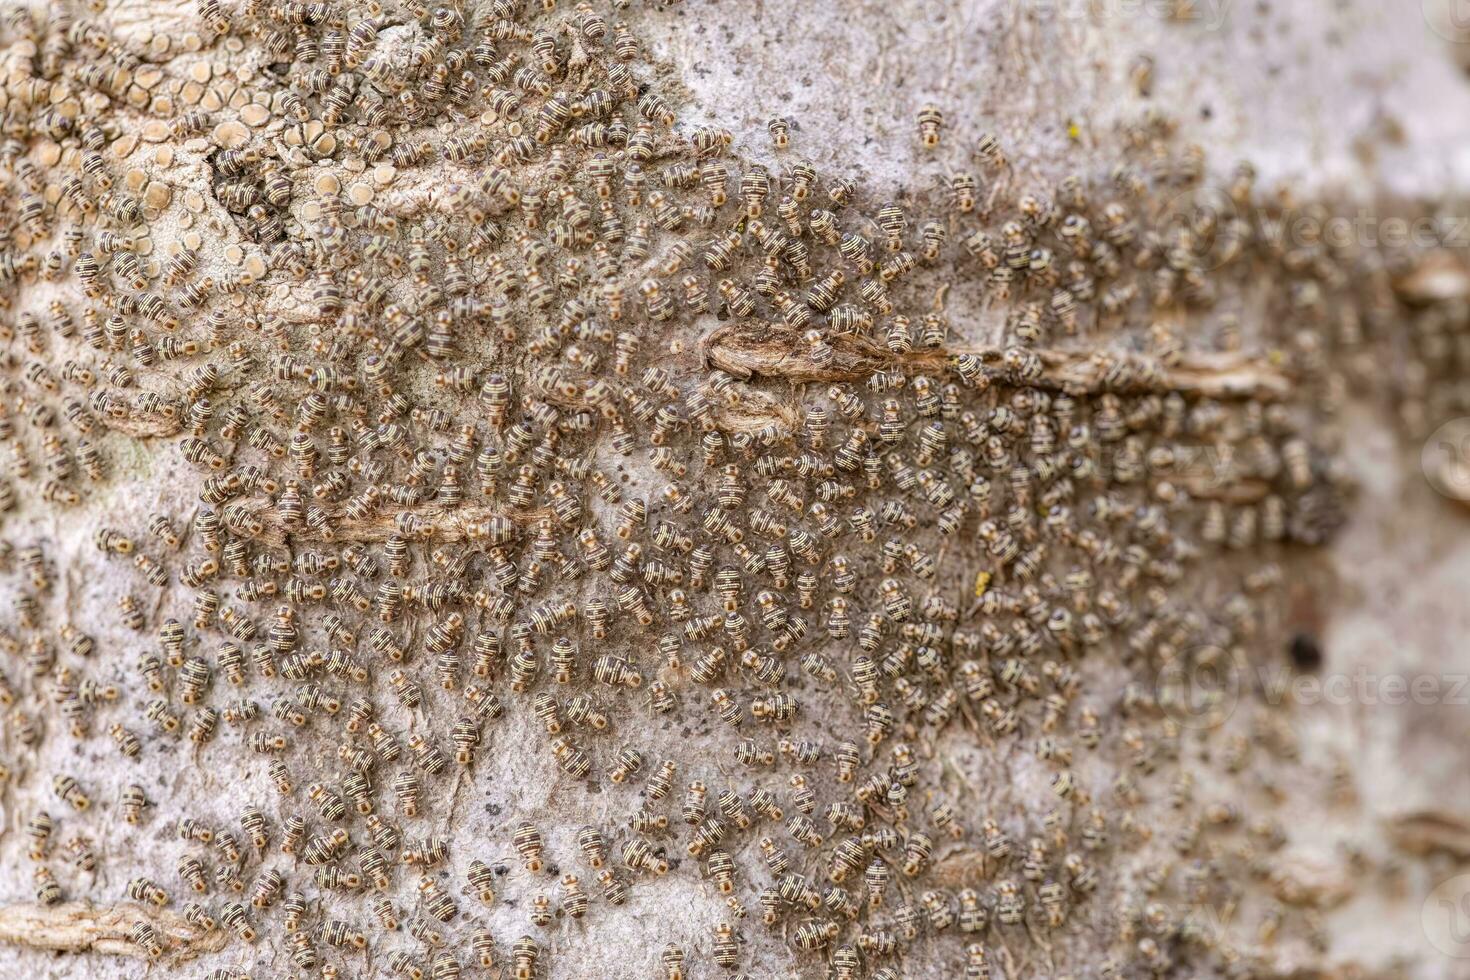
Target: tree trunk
(1276,704)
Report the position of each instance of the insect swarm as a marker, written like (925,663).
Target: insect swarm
(585,474)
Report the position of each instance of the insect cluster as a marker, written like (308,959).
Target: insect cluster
(514,415)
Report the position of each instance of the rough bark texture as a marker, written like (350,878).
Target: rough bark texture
(1351,104)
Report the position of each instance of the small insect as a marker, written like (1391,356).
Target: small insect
(293,834)
(1141,75)
(524,956)
(988,148)
(234,916)
(726,951)
(528,843)
(145,937)
(134,800)
(780,130)
(69,790)
(931,125)
(628,762)
(47,891)
(1010,907)
(638,854)
(336,932)
(38,832)
(482,879)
